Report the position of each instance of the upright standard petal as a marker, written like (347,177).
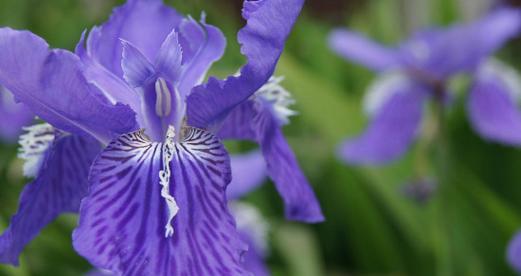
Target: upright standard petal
(58,188)
(355,47)
(14,116)
(391,130)
(269,23)
(248,172)
(52,85)
(202,45)
(122,221)
(144,23)
(493,104)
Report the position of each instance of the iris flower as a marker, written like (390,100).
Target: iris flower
(419,70)
(136,137)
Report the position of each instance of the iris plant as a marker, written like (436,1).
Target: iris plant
(135,136)
(420,69)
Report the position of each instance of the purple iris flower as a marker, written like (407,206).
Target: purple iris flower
(420,69)
(14,116)
(135,137)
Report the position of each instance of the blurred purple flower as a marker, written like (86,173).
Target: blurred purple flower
(128,110)
(514,252)
(14,116)
(419,69)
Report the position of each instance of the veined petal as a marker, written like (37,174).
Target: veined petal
(202,44)
(144,23)
(52,85)
(269,23)
(14,116)
(257,120)
(248,172)
(355,47)
(492,103)
(59,187)
(300,201)
(391,130)
(122,221)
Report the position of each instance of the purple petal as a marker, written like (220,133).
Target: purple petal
(169,58)
(299,199)
(391,131)
(144,23)
(269,22)
(493,110)
(52,85)
(514,252)
(248,172)
(115,89)
(355,47)
(14,116)
(122,221)
(462,47)
(202,45)
(238,125)
(59,188)
(136,67)
(255,121)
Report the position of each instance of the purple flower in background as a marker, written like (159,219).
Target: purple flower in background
(514,252)
(128,110)
(418,70)
(14,116)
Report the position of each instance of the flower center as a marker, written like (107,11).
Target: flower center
(163,98)
(164,180)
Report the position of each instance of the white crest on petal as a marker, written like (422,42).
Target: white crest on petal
(164,179)
(495,69)
(250,221)
(33,146)
(277,98)
(382,89)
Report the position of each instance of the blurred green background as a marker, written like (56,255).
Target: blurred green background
(371,227)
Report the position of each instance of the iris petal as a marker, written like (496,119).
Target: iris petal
(202,45)
(253,120)
(269,23)
(492,107)
(354,46)
(391,130)
(52,85)
(60,185)
(144,23)
(122,221)
(248,172)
